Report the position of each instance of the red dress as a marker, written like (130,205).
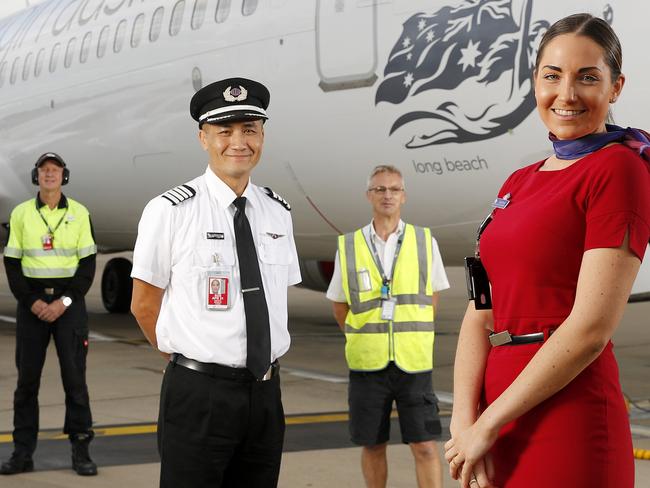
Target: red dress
(532,250)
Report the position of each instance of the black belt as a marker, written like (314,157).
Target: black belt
(51,291)
(506,339)
(221,371)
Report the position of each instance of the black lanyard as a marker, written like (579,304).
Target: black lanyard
(499,203)
(384,277)
(49,229)
(479,232)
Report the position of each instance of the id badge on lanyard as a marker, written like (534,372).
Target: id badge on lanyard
(47,241)
(218,285)
(388,309)
(388,302)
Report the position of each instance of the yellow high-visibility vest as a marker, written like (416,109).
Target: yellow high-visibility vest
(72,240)
(372,342)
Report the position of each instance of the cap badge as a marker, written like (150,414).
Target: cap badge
(236,94)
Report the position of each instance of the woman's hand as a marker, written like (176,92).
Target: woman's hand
(468,456)
(461,421)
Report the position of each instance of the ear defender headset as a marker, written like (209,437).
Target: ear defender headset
(54,157)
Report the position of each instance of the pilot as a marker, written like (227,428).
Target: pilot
(50,265)
(221,420)
(384,293)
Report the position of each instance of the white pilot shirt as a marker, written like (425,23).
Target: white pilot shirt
(386,252)
(173,252)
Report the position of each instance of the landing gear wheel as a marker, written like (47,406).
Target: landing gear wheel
(117,285)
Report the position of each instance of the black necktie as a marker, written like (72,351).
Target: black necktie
(258,332)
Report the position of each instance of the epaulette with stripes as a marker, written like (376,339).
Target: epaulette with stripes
(179,194)
(277,198)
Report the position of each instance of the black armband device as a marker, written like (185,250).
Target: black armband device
(478,283)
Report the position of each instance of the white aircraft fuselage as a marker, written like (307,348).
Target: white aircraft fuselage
(440,89)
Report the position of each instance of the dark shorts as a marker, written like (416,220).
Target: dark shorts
(371,396)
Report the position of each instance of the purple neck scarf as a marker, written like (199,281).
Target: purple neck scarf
(636,139)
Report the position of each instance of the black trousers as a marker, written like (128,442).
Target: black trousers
(70,332)
(219,433)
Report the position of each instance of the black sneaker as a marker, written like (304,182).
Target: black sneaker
(18,463)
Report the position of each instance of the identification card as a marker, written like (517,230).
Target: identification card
(218,285)
(47,241)
(218,292)
(388,309)
(364,280)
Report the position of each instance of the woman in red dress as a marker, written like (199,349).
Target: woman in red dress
(546,410)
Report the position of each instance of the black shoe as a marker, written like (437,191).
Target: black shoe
(19,463)
(81,462)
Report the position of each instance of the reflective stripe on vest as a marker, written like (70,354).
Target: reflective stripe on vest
(49,272)
(72,240)
(408,340)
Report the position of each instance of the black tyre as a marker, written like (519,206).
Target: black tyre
(117,285)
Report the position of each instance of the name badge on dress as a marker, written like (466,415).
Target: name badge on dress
(502,202)
(388,309)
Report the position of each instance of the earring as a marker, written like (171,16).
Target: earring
(612,100)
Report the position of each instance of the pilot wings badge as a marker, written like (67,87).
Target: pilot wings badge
(236,94)
(462,73)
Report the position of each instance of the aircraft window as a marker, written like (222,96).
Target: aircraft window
(38,66)
(198,15)
(85,47)
(54,58)
(14,70)
(138,27)
(27,67)
(103,41)
(223,10)
(248,7)
(177,18)
(2,73)
(119,36)
(156,24)
(69,52)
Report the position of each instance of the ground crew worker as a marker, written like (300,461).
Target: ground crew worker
(384,290)
(221,422)
(50,265)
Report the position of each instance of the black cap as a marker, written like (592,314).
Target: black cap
(50,156)
(230,100)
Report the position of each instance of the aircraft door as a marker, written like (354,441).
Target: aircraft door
(346,43)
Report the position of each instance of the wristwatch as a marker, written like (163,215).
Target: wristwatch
(67,301)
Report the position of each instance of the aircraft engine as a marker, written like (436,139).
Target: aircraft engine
(316,275)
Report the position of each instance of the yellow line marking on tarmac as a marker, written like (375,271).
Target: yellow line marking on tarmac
(316,419)
(127,430)
(123,430)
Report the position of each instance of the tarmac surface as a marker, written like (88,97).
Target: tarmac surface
(124,376)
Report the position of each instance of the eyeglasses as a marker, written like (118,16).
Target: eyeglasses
(382,190)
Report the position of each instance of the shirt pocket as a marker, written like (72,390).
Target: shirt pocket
(206,256)
(274,248)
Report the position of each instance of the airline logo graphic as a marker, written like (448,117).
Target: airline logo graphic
(441,59)
(236,94)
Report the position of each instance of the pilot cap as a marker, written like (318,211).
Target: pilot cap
(230,100)
(50,156)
